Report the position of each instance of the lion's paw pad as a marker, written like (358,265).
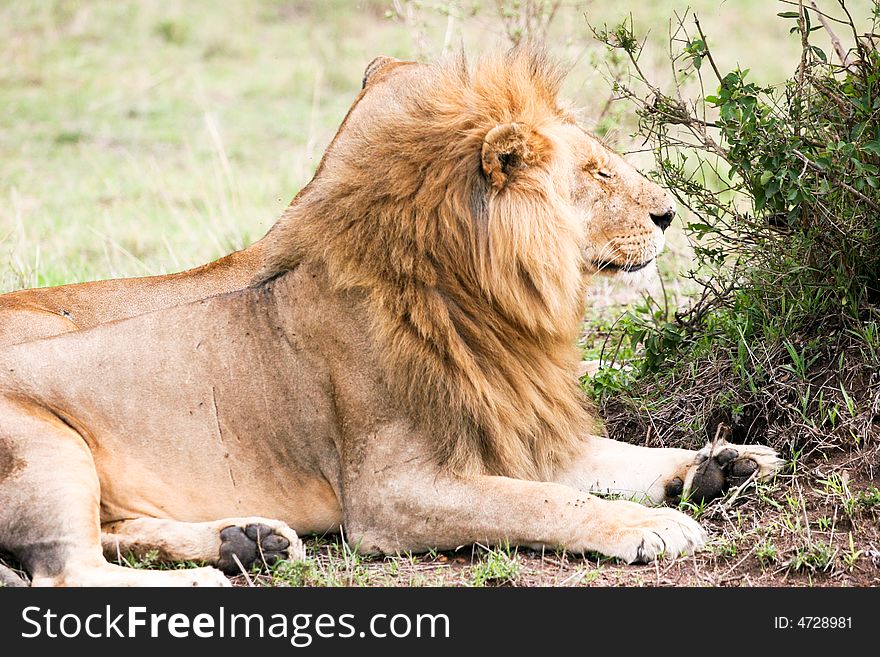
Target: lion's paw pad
(721,466)
(255,543)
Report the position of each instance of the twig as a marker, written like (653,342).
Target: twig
(243,571)
(850,189)
(739,489)
(722,429)
(580,574)
(736,566)
(831,18)
(706,48)
(835,41)
(850,22)
(805,47)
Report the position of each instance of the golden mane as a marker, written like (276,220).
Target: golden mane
(476,293)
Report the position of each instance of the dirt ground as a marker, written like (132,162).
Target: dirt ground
(794,532)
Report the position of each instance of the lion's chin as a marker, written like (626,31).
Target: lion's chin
(641,279)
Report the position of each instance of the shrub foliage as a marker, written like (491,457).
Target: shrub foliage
(782,345)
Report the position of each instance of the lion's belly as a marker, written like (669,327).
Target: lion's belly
(306,502)
(205,463)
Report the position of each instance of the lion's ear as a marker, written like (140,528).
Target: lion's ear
(505,149)
(375,65)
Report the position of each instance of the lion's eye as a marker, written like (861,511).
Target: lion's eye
(602,173)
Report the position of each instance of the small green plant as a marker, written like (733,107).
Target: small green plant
(151,561)
(696,508)
(172,31)
(148,561)
(835,487)
(296,573)
(725,548)
(498,567)
(69,137)
(590,575)
(869,498)
(767,552)
(765,490)
(851,555)
(812,556)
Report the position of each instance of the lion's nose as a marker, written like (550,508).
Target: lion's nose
(663,220)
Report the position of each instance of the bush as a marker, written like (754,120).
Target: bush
(782,345)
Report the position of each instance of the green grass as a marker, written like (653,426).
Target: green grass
(139,138)
(145,137)
(813,556)
(767,553)
(499,566)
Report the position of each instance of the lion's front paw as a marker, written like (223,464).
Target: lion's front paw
(720,465)
(257,540)
(644,534)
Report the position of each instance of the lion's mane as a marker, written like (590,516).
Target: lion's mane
(475,293)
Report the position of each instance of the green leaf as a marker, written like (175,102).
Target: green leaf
(699,227)
(788,14)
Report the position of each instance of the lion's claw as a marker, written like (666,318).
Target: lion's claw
(645,535)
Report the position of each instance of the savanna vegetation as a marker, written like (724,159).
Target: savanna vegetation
(144,137)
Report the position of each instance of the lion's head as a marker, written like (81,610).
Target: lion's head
(467,205)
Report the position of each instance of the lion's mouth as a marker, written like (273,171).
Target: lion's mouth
(605,265)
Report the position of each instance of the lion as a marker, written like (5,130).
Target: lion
(401,366)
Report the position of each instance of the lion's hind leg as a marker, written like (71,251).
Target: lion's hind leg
(49,507)
(231,544)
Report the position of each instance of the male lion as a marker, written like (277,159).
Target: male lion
(401,367)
